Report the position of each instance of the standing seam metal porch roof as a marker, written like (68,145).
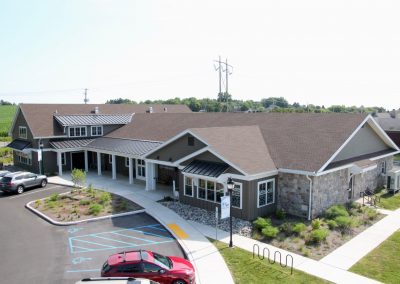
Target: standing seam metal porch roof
(20,145)
(123,146)
(210,169)
(69,144)
(93,119)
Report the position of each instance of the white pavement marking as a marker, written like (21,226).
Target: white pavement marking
(34,191)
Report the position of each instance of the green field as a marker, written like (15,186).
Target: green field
(6,117)
(383,263)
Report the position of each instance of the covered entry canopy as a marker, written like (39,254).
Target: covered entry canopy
(205,168)
(19,145)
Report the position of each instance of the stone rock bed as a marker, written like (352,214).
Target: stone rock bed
(205,217)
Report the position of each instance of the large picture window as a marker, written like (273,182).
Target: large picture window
(188,186)
(77,131)
(97,130)
(209,190)
(266,193)
(24,158)
(22,132)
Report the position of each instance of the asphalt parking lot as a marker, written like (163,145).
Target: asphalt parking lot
(34,251)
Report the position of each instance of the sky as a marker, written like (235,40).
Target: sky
(311,52)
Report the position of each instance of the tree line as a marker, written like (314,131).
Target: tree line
(225,103)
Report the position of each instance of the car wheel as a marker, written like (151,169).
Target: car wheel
(179,282)
(43,183)
(20,189)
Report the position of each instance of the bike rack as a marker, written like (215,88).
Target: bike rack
(262,257)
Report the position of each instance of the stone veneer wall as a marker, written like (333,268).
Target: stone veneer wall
(293,194)
(329,189)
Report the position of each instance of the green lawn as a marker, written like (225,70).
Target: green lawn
(6,117)
(247,270)
(383,263)
(397,158)
(389,201)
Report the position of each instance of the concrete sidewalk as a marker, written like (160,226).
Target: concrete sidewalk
(209,264)
(351,252)
(304,264)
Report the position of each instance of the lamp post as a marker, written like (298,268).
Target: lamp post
(230,184)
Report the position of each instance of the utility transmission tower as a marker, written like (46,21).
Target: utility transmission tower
(86,99)
(228,69)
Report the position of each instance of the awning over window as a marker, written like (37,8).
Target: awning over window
(19,145)
(204,168)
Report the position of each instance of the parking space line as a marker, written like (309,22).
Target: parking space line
(118,241)
(96,244)
(33,192)
(150,234)
(130,237)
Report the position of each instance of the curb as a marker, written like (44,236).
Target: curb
(51,221)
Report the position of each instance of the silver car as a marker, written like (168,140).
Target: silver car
(19,181)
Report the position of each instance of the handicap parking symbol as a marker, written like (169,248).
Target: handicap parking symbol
(74,230)
(78,260)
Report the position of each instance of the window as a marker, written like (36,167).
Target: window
(383,167)
(97,130)
(188,186)
(201,193)
(127,162)
(130,268)
(110,159)
(150,267)
(237,195)
(63,159)
(78,131)
(22,132)
(266,193)
(141,169)
(24,158)
(190,141)
(210,190)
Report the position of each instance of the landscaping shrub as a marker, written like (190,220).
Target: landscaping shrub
(270,232)
(316,224)
(299,228)
(78,177)
(95,209)
(261,223)
(54,197)
(38,203)
(370,213)
(318,235)
(344,222)
(122,206)
(336,211)
(280,214)
(105,197)
(286,228)
(332,224)
(84,202)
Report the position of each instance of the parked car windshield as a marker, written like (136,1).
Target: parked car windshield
(162,261)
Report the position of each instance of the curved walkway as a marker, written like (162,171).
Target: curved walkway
(209,264)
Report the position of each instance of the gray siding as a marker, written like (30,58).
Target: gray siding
(366,141)
(177,150)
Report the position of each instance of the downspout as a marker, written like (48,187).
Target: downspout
(310,198)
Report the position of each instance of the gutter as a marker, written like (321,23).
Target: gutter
(310,198)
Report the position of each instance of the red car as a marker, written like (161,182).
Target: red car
(150,265)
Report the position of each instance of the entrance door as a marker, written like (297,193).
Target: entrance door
(78,160)
(140,169)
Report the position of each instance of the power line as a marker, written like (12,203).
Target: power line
(228,71)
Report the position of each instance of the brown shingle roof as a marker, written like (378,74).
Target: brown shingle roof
(301,141)
(243,146)
(40,116)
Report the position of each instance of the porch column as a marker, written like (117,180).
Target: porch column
(59,163)
(99,163)
(130,170)
(114,167)
(150,181)
(86,161)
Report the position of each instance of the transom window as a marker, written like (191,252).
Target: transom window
(266,193)
(22,132)
(77,131)
(237,195)
(96,130)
